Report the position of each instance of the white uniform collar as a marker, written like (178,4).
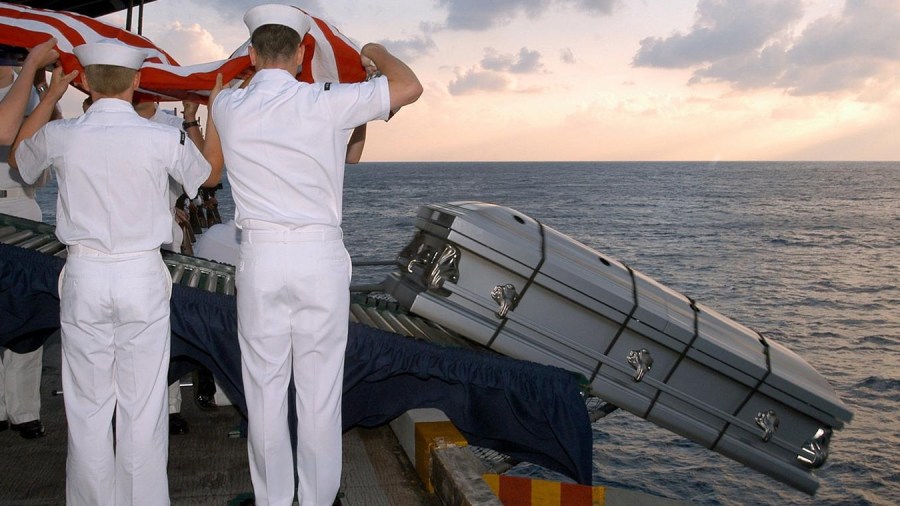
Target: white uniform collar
(272,75)
(112,105)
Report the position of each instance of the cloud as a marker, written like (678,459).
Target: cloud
(492,73)
(865,29)
(751,69)
(474,81)
(190,44)
(851,52)
(722,29)
(232,7)
(411,48)
(604,7)
(567,56)
(479,15)
(526,62)
(753,44)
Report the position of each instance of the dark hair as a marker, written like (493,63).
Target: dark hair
(109,79)
(275,42)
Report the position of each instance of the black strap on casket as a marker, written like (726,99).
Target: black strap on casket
(751,393)
(681,356)
(623,326)
(534,273)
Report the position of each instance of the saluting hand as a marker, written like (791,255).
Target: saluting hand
(59,83)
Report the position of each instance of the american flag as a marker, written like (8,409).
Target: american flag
(330,56)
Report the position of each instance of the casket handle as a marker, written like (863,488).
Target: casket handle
(446,268)
(768,422)
(815,452)
(641,361)
(505,297)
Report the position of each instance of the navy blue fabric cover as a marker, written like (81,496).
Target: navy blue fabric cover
(531,412)
(29,299)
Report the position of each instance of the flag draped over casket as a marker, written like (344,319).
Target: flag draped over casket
(330,56)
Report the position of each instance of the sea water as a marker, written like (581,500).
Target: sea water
(806,253)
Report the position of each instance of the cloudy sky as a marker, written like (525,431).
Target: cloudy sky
(608,79)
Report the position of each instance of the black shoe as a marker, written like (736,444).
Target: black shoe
(29,430)
(245,499)
(177,424)
(3,425)
(206,402)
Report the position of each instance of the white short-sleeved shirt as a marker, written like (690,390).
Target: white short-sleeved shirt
(167,118)
(175,191)
(113,171)
(285,143)
(8,179)
(222,243)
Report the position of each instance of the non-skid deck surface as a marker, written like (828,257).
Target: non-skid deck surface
(206,466)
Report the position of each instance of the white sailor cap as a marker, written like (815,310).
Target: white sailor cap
(110,52)
(277,14)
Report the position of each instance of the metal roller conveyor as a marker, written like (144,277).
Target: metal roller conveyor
(36,241)
(193,278)
(51,248)
(14,239)
(229,285)
(177,273)
(5,231)
(212,282)
(219,278)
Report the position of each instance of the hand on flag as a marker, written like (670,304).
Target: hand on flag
(330,56)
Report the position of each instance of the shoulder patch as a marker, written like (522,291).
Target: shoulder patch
(327,86)
(183,135)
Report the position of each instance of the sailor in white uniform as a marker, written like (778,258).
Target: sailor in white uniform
(191,127)
(20,373)
(113,214)
(284,143)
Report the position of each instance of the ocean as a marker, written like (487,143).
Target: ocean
(808,253)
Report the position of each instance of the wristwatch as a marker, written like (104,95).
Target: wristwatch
(41,88)
(188,124)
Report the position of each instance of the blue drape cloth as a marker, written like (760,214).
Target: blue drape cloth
(531,412)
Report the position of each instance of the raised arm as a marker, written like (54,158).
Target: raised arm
(356,144)
(212,145)
(12,108)
(190,118)
(41,85)
(59,83)
(404,86)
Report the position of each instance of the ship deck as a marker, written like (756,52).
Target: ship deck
(206,466)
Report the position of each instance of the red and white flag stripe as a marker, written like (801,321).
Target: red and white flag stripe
(330,56)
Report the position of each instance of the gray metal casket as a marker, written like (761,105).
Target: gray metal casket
(523,289)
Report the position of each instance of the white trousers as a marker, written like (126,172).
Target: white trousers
(175,245)
(293,307)
(20,373)
(174,392)
(20,385)
(114,311)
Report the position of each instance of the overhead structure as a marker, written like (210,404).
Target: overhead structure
(94,8)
